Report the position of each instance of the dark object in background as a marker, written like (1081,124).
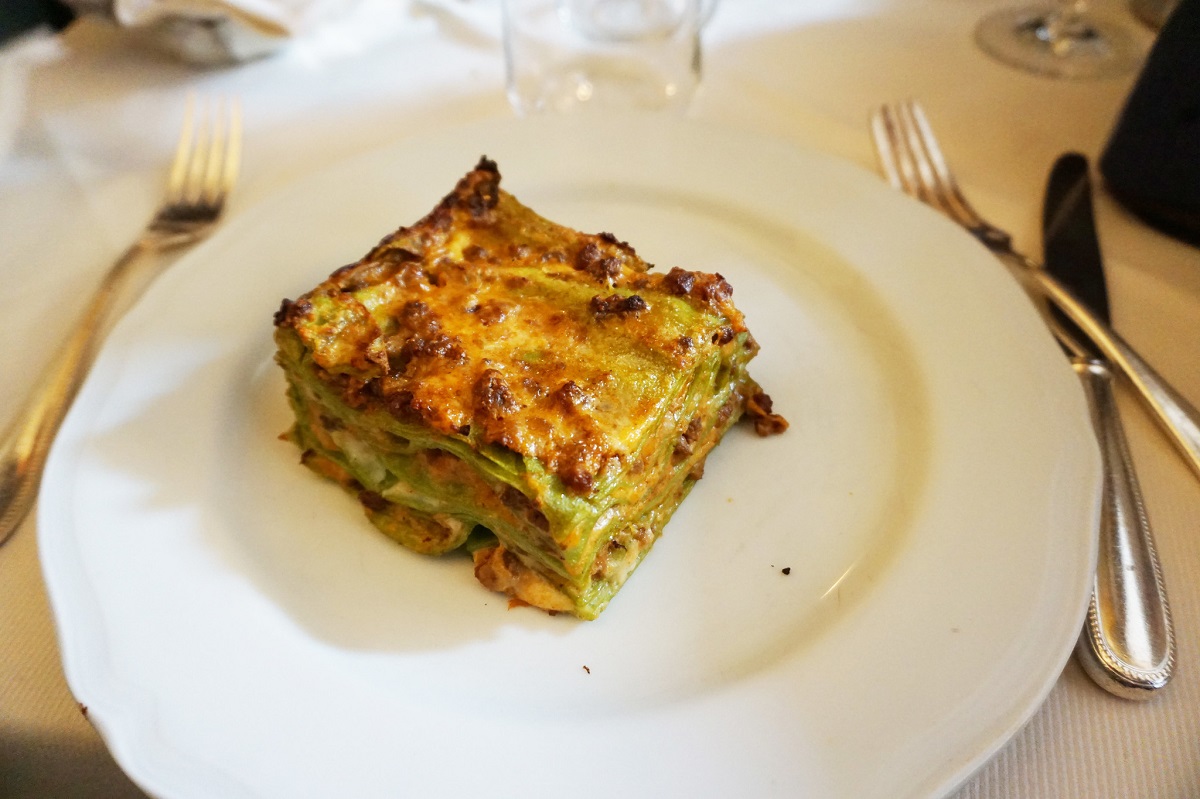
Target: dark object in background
(1153,12)
(1152,161)
(18,16)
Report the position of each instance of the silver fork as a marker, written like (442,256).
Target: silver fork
(913,162)
(201,178)
(1127,645)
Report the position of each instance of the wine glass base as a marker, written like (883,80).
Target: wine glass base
(1087,47)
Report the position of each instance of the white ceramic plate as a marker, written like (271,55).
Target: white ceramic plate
(236,628)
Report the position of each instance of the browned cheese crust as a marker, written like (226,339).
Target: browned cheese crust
(425,343)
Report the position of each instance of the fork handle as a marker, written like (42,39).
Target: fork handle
(1127,645)
(26,443)
(1173,412)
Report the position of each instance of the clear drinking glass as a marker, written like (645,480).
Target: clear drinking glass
(572,55)
(1063,39)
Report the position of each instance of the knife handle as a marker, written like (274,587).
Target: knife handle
(1174,413)
(1128,643)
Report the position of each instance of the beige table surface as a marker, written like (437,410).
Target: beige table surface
(87,157)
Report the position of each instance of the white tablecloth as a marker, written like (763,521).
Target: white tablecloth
(89,121)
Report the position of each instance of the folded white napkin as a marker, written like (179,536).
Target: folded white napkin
(210,32)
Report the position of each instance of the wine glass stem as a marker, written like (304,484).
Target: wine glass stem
(1067,24)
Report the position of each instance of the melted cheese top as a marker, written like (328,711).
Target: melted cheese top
(488,322)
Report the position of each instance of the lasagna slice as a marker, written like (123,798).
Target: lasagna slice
(489,381)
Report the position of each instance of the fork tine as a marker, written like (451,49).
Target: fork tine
(208,156)
(224,154)
(935,172)
(894,152)
(930,188)
(944,182)
(193,189)
(183,152)
(209,187)
(911,176)
(884,135)
(912,161)
(947,196)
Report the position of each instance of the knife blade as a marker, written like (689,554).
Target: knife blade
(1071,246)
(1127,645)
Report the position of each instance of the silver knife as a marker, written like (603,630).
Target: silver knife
(1128,644)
